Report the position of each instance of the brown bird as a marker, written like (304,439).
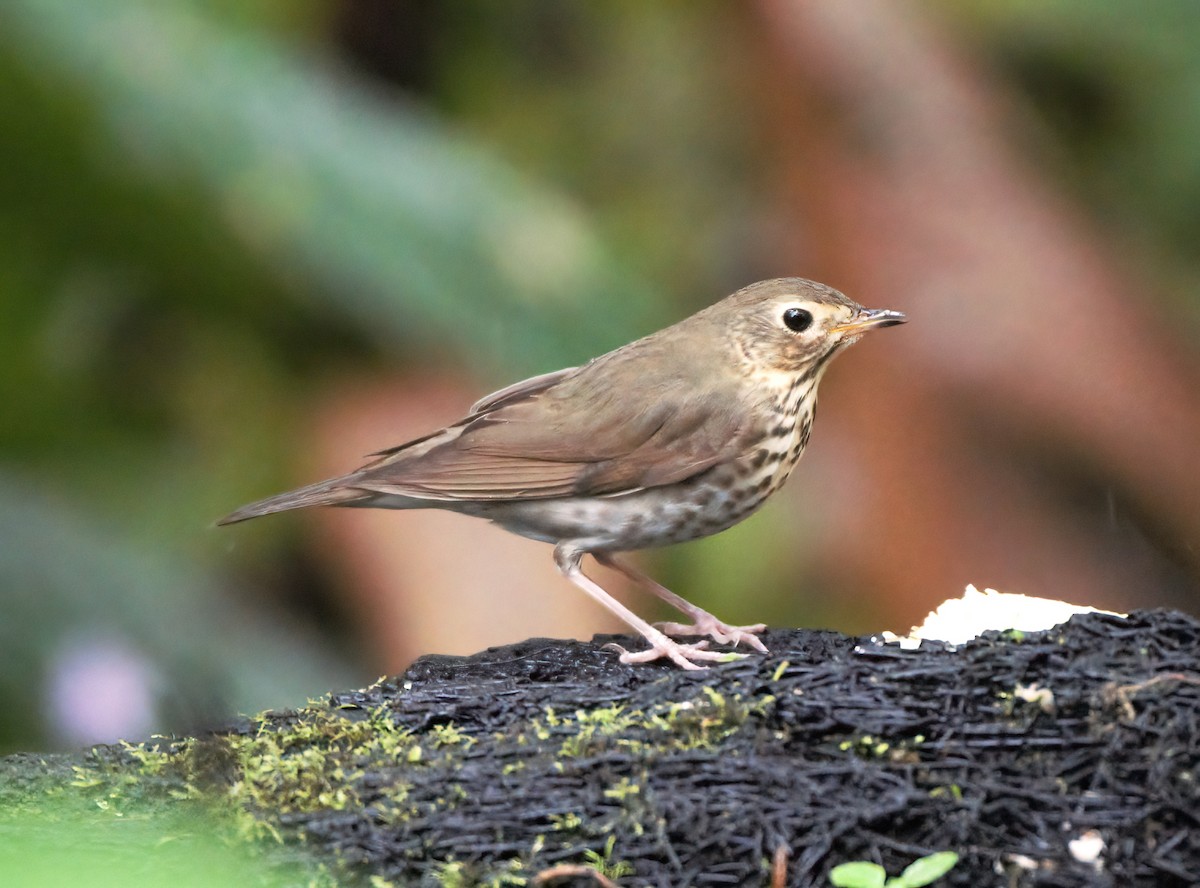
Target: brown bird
(676,436)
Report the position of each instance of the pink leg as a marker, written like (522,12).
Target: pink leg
(683,655)
(705,623)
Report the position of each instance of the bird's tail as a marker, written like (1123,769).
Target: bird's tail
(334,492)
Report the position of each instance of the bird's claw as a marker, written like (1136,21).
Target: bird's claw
(684,656)
(722,633)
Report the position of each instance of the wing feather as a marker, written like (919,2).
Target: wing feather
(519,390)
(577,432)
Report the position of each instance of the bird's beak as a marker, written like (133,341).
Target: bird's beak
(868,318)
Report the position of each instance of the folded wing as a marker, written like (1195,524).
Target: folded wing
(573,433)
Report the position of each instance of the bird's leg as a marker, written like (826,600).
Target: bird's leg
(704,622)
(685,656)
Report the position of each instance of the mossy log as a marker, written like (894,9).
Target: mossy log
(1060,758)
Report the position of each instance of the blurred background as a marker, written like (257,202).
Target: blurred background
(242,244)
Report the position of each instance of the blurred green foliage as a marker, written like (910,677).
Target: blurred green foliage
(63,825)
(133,852)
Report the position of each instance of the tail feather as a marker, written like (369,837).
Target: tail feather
(334,492)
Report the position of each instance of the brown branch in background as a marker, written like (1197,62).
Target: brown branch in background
(1035,366)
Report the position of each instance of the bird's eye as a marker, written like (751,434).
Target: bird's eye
(797,319)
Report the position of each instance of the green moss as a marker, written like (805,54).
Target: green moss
(566,822)
(456,874)
(702,722)
(605,862)
(450,735)
(590,731)
(952,791)
(315,762)
(622,790)
(866,746)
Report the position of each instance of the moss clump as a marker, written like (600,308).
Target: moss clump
(703,721)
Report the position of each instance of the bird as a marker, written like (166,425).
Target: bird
(672,437)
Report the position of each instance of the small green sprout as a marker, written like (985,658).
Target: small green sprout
(568,821)
(604,864)
(622,790)
(862,874)
(953,791)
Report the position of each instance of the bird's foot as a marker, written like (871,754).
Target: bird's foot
(722,633)
(685,656)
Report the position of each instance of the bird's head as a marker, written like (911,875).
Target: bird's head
(793,325)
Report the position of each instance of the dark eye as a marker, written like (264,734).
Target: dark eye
(797,319)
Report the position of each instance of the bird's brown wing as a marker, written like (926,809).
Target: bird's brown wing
(519,390)
(515,392)
(581,435)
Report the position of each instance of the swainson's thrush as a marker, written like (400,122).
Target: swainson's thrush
(675,436)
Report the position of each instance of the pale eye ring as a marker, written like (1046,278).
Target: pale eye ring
(797,319)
